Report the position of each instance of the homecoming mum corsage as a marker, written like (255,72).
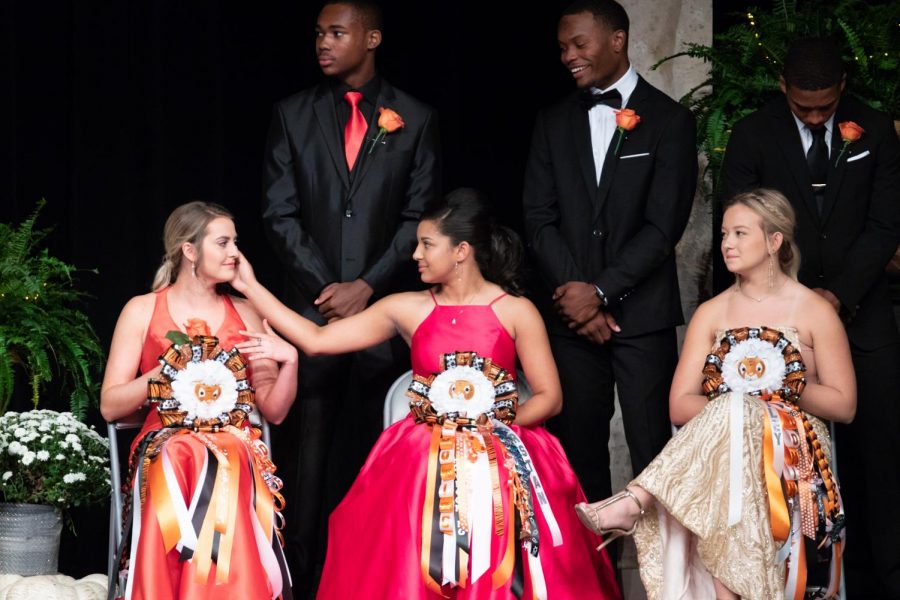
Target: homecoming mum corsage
(468,406)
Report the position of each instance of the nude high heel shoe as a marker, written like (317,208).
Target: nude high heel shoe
(590,517)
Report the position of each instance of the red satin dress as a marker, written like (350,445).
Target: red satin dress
(375,534)
(160,575)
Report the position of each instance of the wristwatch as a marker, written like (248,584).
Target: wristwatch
(601,295)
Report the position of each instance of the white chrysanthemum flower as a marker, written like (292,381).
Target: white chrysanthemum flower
(205,389)
(462,390)
(64,445)
(43,455)
(752,366)
(72,438)
(19,432)
(7,475)
(76,446)
(60,457)
(73,477)
(28,458)
(15,448)
(44,427)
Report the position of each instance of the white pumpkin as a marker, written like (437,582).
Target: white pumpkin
(7,579)
(53,587)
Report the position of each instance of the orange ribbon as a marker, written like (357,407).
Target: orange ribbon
(504,570)
(778,512)
(428,508)
(162,505)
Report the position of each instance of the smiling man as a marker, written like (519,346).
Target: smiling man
(341,212)
(605,204)
(847,199)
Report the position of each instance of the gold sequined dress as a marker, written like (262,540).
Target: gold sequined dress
(685,538)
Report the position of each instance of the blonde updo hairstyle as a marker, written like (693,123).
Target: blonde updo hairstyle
(777,216)
(186,224)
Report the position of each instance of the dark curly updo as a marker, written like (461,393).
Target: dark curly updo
(464,216)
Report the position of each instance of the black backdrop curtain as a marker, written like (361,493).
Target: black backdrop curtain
(116,112)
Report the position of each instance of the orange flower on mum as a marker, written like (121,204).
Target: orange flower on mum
(850,132)
(626,120)
(388,122)
(195,327)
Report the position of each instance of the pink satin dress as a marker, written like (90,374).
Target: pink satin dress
(375,534)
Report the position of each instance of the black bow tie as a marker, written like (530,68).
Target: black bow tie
(612,99)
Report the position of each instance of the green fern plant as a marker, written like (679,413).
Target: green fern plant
(745,62)
(41,329)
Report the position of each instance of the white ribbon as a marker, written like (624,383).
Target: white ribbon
(266,555)
(538,583)
(735,456)
(793,542)
(188,535)
(480,514)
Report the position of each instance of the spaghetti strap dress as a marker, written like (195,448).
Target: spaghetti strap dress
(375,538)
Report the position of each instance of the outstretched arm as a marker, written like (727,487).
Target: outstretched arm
(365,329)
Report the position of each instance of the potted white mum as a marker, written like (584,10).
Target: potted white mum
(49,462)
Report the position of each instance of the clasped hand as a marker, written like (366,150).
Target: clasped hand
(579,307)
(342,300)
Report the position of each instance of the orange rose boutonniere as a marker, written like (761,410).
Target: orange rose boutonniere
(388,122)
(626,120)
(850,132)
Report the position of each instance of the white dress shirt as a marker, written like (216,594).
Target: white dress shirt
(603,118)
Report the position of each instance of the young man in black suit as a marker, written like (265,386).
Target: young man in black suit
(847,200)
(604,209)
(341,212)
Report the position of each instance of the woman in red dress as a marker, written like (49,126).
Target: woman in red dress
(509,529)
(243,559)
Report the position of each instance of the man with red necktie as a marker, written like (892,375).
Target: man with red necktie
(340,206)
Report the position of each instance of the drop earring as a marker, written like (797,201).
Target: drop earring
(194,269)
(771,271)
(456,269)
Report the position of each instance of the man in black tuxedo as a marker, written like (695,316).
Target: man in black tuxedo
(341,212)
(604,209)
(847,200)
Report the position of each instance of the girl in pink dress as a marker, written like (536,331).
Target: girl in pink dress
(507,529)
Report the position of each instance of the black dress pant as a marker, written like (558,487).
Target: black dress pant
(868,457)
(323,443)
(641,368)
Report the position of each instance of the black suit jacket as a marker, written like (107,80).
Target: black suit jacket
(620,234)
(847,248)
(308,194)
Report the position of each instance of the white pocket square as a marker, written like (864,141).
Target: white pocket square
(634,155)
(858,156)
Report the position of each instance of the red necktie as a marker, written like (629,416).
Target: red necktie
(355,129)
